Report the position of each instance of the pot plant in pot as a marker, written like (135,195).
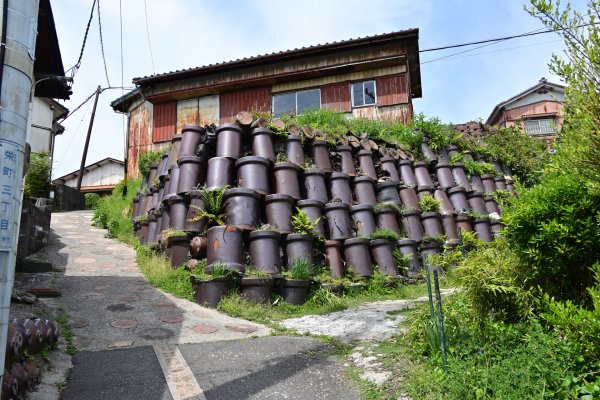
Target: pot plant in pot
(431,217)
(299,245)
(294,286)
(213,201)
(383,245)
(256,286)
(210,288)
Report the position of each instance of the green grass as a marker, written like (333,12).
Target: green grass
(66,331)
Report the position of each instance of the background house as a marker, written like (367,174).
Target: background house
(99,177)
(539,108)
(44,127)
(372,77)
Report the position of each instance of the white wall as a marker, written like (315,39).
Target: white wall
(536,98)
(41,115)
(108,174)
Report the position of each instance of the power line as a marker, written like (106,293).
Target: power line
(148,36)
(102,45)
(75,67)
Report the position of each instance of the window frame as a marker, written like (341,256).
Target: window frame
(295,92)
(363,87)
(551,124)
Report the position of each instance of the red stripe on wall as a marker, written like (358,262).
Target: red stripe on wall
(336,97)
(255,99)
(392,90)
(164,120)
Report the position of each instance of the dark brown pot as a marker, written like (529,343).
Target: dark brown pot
(179,248)
(463,222)
(174,153)
(411,221)
(387,218)
(364,191)
(257,290)
(476,202)
(432,223)
(279,209)
(407,174)
(229,141)
(253,173)
(287,180)
(445,206)
(178,213)
(356,253)
(314,210)
(333,257)
(219,172)
(295,151)
(210,292)
(387,192)
(143,234)
(427,152)
(314,185)
(468,155)
(136,207)
(410,248)
(477,183)
(157,231)
(409,198)
(367,166)
(154,200)
(151,229)
(191,174)
(422,190)
(147,202)
(500,183)
(152,175)
(163,167)
(166,217)
(510,186)
(173,183)
(320,154)
(191,135)
(428,249)
(458,198)
(496,226)
(483,229)
(198,247)
(489,185)
(293,291)
(490,205)
(262,143)
(242,208)
(340,187)
(196,204)
(444,175)
(298,247)
(449,225)
(225,245)
(337,216)
(364,219)
(422,174)
(452,150)
(388,164)
(382,251)
(264,251)
(345,153)
(458,171)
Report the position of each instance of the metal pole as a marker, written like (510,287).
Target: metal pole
(87,139)
(429,291)
(438,302)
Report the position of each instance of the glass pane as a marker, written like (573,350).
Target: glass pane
(308,99)
(284,104)
(545,122)
(531,122)
(357,94)
(369,88)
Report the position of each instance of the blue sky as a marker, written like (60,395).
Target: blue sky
(188,33)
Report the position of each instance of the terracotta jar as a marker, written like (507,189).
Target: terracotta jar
(287,180)
(156,236)
(256,290)
(410,249)
(489,186)
(198,247)
(463,222)
(298,247)
(483,229)
(151,229)
(445,206)
(364,219)
(294,149)
(210,292)
(490,205)
(407,173)
(147,201)
(262,143)
(510,186)
(411,221)
(154,202)
(496,226)
(458,171)
(191,173)
(314,185)
(409,198)
(477,183)
(152,175)
(387,218)
(192,224)
(427,152)
(293,291)
(179,248)
(449,225)
(173,183)
(432,223)
(357,256)
(458,198)
(468,155)
(163,167)
(382,251)
(364,191)
(279,209)
(333,257)
(136,207)
(219,172)
(367,166)
(178,213)
(428,249)
(345,153)
(422,174)
(339,187)
(143,234)
(166,190)
(174,153)
(253,173)
(476,202)
(226,246)
(191,138)
(314,210)
(423,190)
(452,150)
(500,183)
(387,192)
(337,216)
(242,208)
(388,164)
(444,175)
(264,251)
(229,141)
(320,155)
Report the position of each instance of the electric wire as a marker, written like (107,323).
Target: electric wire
(102,44)
(76,131)
(75,67)
(148,37)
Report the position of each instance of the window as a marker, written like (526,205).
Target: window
(540,126)
(363,94)
(296,102)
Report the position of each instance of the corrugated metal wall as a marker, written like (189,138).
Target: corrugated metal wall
(187,113)
(336,97)
(255,99)
(392,90)
(140,135)
(165,118)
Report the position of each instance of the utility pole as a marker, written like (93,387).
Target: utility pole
(87,139)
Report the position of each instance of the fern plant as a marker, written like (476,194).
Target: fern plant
(429,203)
(213,206)
(302,224)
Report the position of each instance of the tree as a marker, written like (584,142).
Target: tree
(37,180)
(580,148)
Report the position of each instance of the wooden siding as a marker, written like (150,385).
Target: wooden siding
(392,90)
(165,118)
(336,97)
(255,99)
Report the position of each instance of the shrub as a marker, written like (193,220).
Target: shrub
(37,180)
(91,200)
(145,161)
(113,212)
